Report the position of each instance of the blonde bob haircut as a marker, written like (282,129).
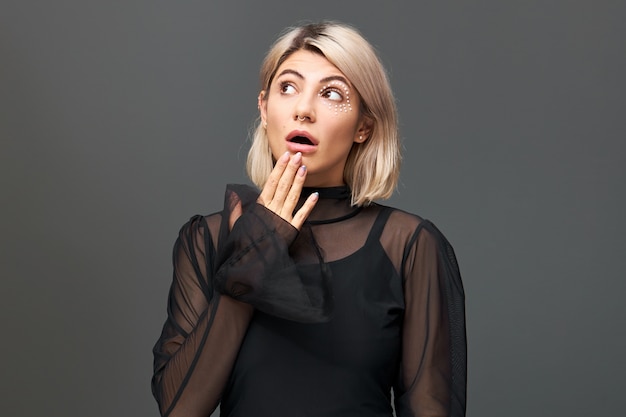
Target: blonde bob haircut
(373,166)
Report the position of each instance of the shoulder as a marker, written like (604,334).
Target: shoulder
(415,239)
(400,223)
(403,219)
(200,229)
(409,229)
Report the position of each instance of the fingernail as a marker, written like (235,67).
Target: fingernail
(315,196)
(302,170)
(285,157)
(297,157)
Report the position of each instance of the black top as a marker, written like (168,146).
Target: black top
(360,301)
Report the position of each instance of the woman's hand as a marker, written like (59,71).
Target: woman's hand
(283,187)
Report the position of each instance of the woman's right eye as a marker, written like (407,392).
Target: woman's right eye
(287,88)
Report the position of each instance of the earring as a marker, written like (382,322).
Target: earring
(265,125)
(361,137)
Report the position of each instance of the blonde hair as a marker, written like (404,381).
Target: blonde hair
(372,167)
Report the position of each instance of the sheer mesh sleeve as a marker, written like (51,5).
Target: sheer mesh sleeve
(266,262)
(432,378)
(259,261)
(200,339)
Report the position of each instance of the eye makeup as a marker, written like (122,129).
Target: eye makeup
(337,87)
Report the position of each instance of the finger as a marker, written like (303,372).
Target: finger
(272,181)
(285,183)
(291,201)
(302,214)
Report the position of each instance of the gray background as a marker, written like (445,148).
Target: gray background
(120,120)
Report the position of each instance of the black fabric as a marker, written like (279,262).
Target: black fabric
(322,322)
(261,262)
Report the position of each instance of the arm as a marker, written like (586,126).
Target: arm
(432,377)
(202,334)
(204,329)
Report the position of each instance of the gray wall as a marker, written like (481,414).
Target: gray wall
(120,120)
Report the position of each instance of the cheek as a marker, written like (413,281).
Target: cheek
(345,125)
(275,141)
(338,109)
(272,111)
(339,119)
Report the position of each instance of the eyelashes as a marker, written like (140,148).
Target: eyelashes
(286,88)
(335,94)
(336,101)
(331,93)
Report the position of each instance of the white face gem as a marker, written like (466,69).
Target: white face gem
(338,107)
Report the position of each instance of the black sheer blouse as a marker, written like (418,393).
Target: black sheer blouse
(269,321)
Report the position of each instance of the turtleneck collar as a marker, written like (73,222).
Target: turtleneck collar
(340,192)
(333,205)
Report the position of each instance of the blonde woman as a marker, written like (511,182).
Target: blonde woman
(309,298)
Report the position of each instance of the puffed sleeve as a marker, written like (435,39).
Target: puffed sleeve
(263,260)
(260,261)
(432,377)
(201,336)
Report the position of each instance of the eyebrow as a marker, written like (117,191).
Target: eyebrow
(323,80)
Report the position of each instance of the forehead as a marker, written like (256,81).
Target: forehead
(312,66)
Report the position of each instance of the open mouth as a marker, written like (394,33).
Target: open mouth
(302,140)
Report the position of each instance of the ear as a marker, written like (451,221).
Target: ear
(262,105)
(364,129)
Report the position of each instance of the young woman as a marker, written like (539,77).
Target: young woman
(308,298)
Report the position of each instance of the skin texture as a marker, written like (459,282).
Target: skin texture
(283,187)
(309,96)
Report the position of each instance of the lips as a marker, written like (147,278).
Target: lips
(301,141)
(302,137)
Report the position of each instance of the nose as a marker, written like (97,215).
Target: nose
(304,108)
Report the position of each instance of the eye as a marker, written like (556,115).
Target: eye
(332,94)
(287,88)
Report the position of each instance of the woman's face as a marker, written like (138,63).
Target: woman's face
(312,108)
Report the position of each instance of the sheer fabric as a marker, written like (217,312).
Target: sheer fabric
(326,321)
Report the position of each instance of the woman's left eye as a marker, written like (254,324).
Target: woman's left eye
(332,94)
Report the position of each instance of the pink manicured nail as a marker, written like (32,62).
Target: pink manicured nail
(315,196)
(302,170)
(285,157)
